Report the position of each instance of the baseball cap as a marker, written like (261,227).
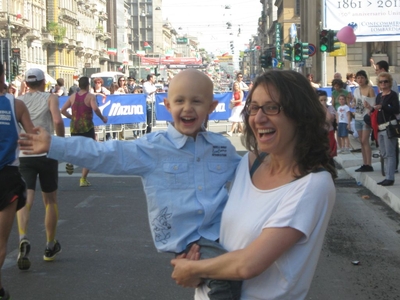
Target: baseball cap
(33,75)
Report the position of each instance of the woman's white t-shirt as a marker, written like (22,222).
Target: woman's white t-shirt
(361,111)
(305,204)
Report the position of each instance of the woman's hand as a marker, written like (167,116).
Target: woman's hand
(182,271)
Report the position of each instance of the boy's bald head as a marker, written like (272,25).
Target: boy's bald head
(192,77)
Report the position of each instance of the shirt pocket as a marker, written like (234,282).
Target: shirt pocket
(176,175)
(219,174)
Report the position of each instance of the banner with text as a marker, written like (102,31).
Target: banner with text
(221,112)
(119,109)
(373,21)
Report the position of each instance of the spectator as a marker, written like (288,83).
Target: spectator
(279,206)
(343,119)
(74,88)
(12,187)
(364,97)
(383,66)
(243,86)
(122,85)
(45,112)
(236,117)
(62,90)
(387,103)
(150,89)
(99,89)
(131,85)
(350,80)
(82,105)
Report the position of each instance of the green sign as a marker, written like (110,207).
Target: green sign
(181,40)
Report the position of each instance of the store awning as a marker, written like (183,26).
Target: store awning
(49,79)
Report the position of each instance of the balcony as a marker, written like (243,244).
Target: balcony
(88,52)
(87,4)
(106,36)
(93,7)
(71,44)
(47,38)
(33,34)
(95,54)
(68,15)
(79,45)
(99,33)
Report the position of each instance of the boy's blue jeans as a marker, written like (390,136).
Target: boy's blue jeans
(219,289)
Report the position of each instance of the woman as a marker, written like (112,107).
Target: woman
(364,97)
(351,80)
(82,105)
(280,203)
(123,89)
(387,104)
(236,117)
(99,89)
(116,90)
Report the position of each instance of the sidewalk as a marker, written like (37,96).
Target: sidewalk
(389,194)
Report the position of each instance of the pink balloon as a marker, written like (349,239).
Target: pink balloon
(346,35)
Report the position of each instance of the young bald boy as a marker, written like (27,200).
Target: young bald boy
(184,170)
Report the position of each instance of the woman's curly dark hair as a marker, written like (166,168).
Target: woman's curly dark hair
(300,103)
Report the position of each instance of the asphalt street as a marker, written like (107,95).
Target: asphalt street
(108,253)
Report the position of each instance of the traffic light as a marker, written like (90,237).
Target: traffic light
(332,39)
(304,51)
(14,70)
(323,40)
(263,60)
(288,52)
(297,52)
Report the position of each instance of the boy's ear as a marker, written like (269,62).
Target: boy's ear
(167,105)
(213,106)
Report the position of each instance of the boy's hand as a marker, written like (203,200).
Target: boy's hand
(35,143)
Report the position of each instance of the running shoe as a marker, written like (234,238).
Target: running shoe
(50,254)
(23,260)
(83,182)
(69,168)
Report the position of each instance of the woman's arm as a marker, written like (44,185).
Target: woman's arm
(240,264)
(67,105)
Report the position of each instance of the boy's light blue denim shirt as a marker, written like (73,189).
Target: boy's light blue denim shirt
(184,179)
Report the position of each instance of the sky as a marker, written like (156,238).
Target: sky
(207,19)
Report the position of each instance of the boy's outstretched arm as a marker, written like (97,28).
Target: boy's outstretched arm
(35,143)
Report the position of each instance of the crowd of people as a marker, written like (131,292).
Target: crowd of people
(362,115)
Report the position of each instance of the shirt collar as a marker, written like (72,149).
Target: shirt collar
(179,139)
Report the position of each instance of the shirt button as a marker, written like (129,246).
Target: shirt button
(200,212)
(199,187)
(175,167)
(198,159)
(218,167)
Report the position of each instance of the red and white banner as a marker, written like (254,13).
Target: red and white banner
(145,61)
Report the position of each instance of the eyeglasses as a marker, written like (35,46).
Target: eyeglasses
(384,81)
(240,76)
(267,109)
